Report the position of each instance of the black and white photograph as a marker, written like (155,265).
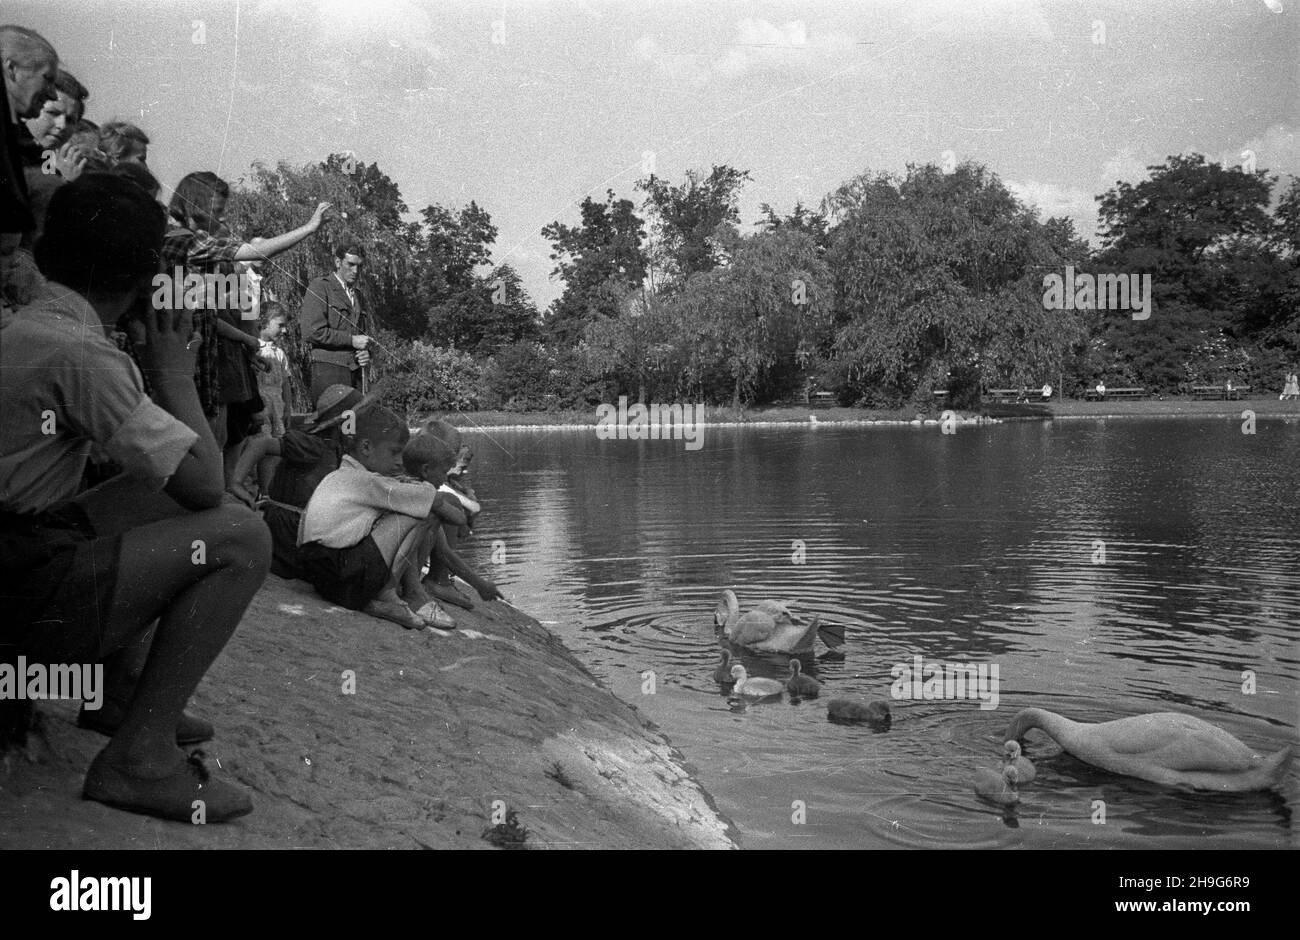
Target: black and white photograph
(601,425)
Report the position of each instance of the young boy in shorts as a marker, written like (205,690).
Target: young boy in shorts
(431,456)
(364,534)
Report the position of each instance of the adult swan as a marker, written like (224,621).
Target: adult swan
(769,627)
(1164,747)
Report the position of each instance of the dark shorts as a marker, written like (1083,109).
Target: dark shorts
(56,582)
(239,421)
(350,577)
(284,542)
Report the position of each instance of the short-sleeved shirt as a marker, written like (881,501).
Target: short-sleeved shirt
(65,388)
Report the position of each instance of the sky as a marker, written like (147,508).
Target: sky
(527,107)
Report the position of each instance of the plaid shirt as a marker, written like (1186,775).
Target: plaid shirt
(201,253)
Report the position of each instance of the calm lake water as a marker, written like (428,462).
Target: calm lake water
(974,547)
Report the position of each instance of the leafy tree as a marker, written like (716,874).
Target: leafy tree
(941,272)
(688,216)
(601,260)
(492,312)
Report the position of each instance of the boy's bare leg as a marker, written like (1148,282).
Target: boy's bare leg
(399,539)
(439,582)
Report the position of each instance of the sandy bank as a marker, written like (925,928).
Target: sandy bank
(439,728)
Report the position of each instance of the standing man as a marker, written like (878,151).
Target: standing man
(334,324)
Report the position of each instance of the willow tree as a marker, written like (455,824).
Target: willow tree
(941,272)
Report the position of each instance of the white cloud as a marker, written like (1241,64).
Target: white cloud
(761,46)
(757,46)
(1276,150)
(1053,200)
(981,19)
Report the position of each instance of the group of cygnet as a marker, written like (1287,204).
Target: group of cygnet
(771,627)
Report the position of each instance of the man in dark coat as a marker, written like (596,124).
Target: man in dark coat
(335,325)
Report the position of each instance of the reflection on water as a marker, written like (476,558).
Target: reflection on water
(1107,568)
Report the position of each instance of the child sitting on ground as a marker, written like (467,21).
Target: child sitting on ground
(306,456)
(429,458)
(364,534)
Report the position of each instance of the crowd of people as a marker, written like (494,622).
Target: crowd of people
(152,473)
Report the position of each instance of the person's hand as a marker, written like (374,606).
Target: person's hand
(261,364)
(241,493)
(318,216)
(360,341)
(70,161)
(489,591)
(170,341)
(363,357)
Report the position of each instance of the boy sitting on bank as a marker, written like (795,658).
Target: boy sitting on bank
(432,458)
(364,534)
(305,457)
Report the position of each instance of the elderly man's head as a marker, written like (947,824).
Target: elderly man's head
(30,66)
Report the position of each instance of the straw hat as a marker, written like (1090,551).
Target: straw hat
(335,401)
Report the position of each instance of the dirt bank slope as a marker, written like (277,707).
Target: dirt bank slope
(438,730)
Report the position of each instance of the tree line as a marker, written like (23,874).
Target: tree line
(892,287)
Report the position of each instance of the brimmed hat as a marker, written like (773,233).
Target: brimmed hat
(335,401)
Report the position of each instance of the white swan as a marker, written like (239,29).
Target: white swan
(768,627)
(1163,747)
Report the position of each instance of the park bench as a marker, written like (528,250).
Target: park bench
(1007,394)
(1218,392)
(821,400)
(1128,394)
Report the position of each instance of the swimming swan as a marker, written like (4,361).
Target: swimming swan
(997,786)
(754,688)
(769,626)
(801,685)
(1163,747)
(1011,757)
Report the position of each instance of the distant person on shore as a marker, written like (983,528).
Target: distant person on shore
(110,575)
(1047,392)
(365,534)
(335,325)
(436,455)
(305,457)
(1291,389)
(1101,389)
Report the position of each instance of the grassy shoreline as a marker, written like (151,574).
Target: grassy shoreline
(798,415)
